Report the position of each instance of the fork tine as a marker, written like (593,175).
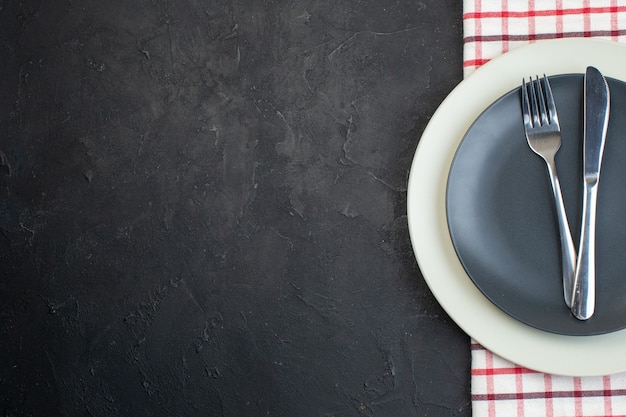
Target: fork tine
(534,105)
(554,118)
(541,99)
(525,105)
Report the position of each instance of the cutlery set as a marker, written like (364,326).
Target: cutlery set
(543,134)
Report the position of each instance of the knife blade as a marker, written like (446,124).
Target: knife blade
(596,119)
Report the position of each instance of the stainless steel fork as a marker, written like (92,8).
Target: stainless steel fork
(543,133)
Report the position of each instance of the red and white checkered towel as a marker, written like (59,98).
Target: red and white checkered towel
(492,27)
(499,387)
(503,389)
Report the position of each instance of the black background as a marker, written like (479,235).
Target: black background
(203,209)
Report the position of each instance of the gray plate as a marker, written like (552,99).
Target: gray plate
(502,220)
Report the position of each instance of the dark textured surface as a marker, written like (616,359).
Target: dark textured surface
(203,209)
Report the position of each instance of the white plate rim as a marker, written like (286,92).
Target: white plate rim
(465,304)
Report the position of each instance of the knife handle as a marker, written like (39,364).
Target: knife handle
(584,295)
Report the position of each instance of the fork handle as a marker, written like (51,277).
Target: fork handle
(584,300)
(568,251)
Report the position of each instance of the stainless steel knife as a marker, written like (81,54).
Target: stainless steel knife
(596,119)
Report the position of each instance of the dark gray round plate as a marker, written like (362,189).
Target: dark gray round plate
(502,220)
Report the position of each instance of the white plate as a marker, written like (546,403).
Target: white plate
(444,274)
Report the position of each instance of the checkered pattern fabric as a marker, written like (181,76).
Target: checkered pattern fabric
(501,388)
(491,27)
